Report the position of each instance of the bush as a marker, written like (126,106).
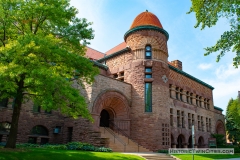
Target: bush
(162,151)
(28,145)
(103,149)
(68,146)
(55,146)
(220,140)
(74,145)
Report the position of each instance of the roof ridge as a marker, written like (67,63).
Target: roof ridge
(95,50)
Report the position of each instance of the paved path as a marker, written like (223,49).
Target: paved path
(152,155)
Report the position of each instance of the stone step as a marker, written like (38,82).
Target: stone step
(117,146)
(158,157)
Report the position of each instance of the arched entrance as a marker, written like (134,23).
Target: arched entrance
(180,141)
(172,142)
(220,129)
(190,142)
(104,119)
(200,142)
(111,107)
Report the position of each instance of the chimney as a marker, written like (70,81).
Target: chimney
(177,64)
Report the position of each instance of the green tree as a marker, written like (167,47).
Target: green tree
(233,120)
(208,12)
(41,57)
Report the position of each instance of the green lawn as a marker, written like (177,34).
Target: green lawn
(206,156)
(42,154)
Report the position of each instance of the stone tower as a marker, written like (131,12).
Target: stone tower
(148,75)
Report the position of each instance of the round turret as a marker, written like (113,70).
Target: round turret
(147,31)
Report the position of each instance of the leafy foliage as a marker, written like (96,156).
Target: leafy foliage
(220,139)
(41,57)
(233,120)
(68,146)
(208,12)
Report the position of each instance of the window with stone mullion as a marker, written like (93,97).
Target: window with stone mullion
(148,52)
(148,97)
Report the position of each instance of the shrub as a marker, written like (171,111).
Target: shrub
(68,146)
(220,140)
(26,145)
(162,151)
(74,145)
(103,149)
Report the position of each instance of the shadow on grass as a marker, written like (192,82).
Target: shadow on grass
(42,154)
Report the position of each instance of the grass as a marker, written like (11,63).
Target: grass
(45,154)
(207,156)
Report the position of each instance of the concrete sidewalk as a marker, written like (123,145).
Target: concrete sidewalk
(153,155)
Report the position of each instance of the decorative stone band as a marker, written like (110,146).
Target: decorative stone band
(156,54)
(139,28)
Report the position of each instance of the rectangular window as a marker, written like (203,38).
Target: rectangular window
(4,102)
(148,97)
(70,132)
(178,119)
(183,124)
(148,70)
(171,116)
(148,75)
(36,108)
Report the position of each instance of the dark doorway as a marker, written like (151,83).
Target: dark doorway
(190,142)
(69,134)
(180,141)
(200,142)
(1,138)
(104,120)
(44,140)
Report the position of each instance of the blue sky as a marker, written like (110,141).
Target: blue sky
(113,18)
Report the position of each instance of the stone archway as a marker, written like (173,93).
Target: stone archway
(190,142)
(220,129)
(200,142)
(180,141)
(104,118)
(116,105)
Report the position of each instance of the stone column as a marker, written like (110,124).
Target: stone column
(202,102)
(194,99)
(173,91)
(184,97)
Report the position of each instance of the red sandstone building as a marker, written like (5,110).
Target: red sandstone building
(138,93)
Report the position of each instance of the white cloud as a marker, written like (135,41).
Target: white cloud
(226,72)
(205,66)
(226,83)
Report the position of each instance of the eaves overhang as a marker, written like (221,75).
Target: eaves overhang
(147,27)
(114,54)
(190,77)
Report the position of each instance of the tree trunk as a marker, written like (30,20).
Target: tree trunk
(11,142)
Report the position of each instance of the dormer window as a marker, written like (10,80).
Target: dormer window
(148,52)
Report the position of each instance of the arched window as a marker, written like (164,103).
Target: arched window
(39,130)
(148,52)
